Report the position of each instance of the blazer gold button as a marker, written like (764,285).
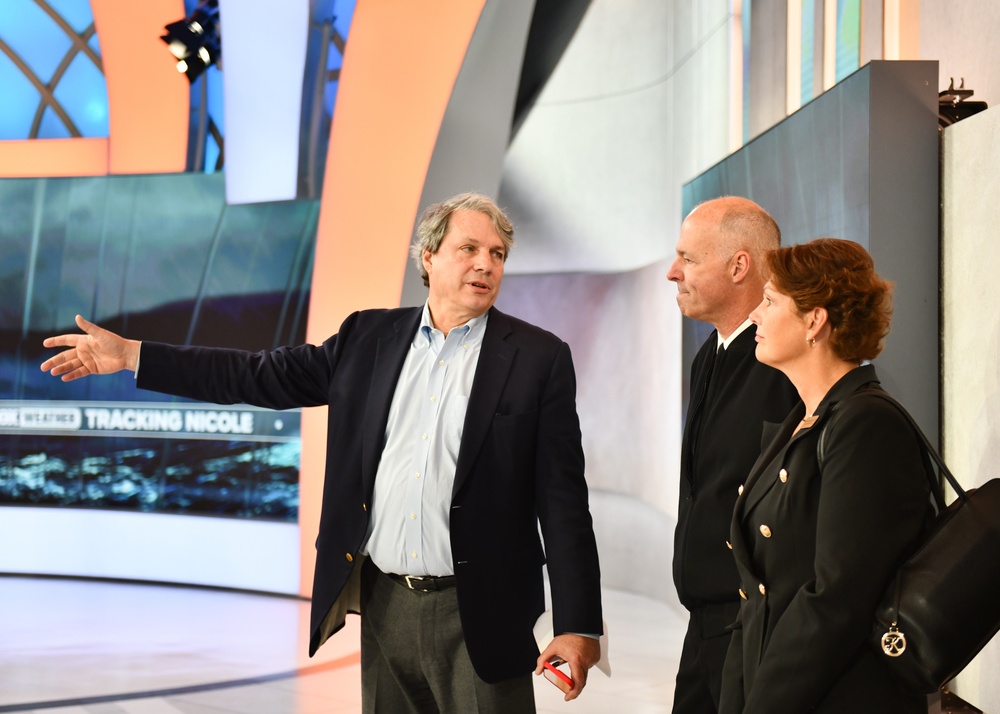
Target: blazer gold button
(364,507)
(740,490)
(743,594)
(783,475)
(350,558)
(763,590)
(729,545)
(765,531)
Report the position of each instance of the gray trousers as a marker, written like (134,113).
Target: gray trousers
(414,659)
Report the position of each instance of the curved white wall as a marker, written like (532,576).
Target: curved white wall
(970,174)
(638,105)
(198,550)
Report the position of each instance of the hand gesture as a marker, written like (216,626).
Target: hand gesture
(580,652)
(97,351)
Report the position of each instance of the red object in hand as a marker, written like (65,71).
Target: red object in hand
(557,676)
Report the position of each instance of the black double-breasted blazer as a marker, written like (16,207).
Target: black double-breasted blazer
(815,549)
(520,464)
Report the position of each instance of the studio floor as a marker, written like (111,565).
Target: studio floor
(72,646)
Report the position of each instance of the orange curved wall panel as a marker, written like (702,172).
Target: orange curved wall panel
(148,99)
(148,103)
(399,69)
(39,158)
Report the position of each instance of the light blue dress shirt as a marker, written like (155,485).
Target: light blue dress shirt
(409,528)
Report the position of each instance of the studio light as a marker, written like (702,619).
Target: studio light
(195,40)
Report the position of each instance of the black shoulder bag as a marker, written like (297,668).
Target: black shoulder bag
(943,606)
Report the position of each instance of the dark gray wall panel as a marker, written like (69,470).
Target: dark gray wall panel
(859,162)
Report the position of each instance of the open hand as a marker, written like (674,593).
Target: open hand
(97,351)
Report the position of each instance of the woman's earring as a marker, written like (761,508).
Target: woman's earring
(811,341)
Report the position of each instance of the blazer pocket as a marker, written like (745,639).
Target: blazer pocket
(515,428)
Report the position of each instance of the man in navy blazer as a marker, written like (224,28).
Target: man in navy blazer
(452,436)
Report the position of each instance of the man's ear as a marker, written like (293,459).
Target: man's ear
(739,266)
(426,260)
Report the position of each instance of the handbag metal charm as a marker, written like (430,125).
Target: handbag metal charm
(893,642)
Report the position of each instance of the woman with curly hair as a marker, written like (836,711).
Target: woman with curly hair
(817,545)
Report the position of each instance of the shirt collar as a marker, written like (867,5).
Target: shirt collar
(724,343)
(472,330)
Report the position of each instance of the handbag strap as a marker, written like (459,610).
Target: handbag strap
(929,450)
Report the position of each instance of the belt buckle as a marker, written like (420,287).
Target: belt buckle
(410,580)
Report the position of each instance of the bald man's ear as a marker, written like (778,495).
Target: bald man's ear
(739,266)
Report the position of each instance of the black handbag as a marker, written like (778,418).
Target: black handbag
(943,606)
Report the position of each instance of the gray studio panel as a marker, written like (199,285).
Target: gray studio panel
(476,127)
(858,162)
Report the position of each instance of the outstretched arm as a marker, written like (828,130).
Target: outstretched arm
(97,351)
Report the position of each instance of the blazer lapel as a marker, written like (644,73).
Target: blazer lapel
(496,356)
(751,494)
(699,390)
(847,384)
(390,354)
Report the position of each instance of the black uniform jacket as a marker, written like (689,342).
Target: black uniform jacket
(520,463)
(722,440)
(815,551)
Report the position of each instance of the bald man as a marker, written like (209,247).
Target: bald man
(720,275)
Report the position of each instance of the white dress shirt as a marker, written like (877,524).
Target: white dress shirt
(409,529)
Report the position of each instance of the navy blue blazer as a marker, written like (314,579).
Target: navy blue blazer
(520,464)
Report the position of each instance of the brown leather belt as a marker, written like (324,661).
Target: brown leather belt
(424,583)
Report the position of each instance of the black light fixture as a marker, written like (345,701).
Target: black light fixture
(195,40)
(954,104)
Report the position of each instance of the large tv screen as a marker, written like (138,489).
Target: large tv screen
(160,258)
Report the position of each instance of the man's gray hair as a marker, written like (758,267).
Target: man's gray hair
(435,220)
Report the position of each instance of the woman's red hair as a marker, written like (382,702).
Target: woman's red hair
(839,276)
